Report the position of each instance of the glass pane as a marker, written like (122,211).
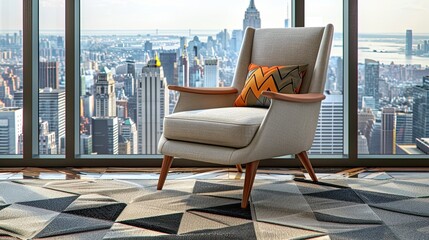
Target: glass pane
(52,119)
(329,137)
(393,84)
(129,52)
(11,80)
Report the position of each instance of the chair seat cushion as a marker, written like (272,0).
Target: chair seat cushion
(229,127)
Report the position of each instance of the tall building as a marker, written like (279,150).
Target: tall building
(105,96)
(128,130)
(129,85)
(372,71)
(169,65)
(211,72)
(124,146)
(251,17)
(105,135)
(52,108)
(85,144)
(287,23)
(131,68)
(374,137)
(152,106)
(421,110)
(10,130)
(329,132)
(49,75)
(47,143)
(183,68)
(388,131)
(236,40)
(409,42)
(404,128)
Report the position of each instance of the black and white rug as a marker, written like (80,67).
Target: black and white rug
(210,209)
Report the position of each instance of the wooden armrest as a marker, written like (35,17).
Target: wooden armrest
(209,91)
(303,98)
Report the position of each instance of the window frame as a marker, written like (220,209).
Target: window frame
(31,155)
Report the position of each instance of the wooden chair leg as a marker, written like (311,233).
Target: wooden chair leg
(239,168)
(251,169)
(166,164)
(303,157)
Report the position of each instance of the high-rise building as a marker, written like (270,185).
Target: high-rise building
(85,144)
(211,72)
(251,17)
(105,135)
(362,144)
(421,110)
(47,143)
(49,75)
(52,108)
(329,132)
(363,117)
(131,68)
(236,40)
(10,130)
(409,42)
(152,106)
(374,140)
(129,85)
(128,129)
(372,71)
(183,67)
(404,128)
(388,131)
(88,105)
(124,145)
(287,23)
(169,65)
(105,96)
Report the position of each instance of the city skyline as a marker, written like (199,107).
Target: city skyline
(399,17)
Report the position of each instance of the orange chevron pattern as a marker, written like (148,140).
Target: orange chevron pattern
(283,79)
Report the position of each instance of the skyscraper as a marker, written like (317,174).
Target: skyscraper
(329,132)
(251,17)
(372,71)
(169,65)
(287,15)
(183,67)
(404,128)
(47,143)
(49,75)
(128,130)
(85,144)
(421,110)
(105,135)
(211,72)
(10,130)
(409,43)
(388,131)
(105,96)
(52,108)
(152,105)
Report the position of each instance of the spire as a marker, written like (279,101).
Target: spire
(252,4)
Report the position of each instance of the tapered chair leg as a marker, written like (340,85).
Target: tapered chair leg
(239,168)
(166,164)
(303,157)
(251,169)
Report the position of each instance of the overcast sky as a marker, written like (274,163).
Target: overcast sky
(376,16)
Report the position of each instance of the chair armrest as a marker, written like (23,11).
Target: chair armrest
(208,91)
(302,98)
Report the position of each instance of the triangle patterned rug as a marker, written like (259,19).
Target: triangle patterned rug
(210,209)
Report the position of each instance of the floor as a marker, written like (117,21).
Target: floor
(204,203)
(209,173)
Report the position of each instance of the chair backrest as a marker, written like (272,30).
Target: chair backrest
(287,46)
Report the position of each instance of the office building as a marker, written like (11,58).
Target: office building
(404,128)
(124,145)
(421,110)
(372,69)
(211,72)
(105,96)
(152,106)
(169,65)
(52,108)
(47,144)
(388,131)
(128,129)
(105,135)
(85,144)
(252,17)
(409,42)
(183,67)
(129,85)
(10,130)
(49,75)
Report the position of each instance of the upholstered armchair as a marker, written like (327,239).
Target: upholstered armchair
(205,125)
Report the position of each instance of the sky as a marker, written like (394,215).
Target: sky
(374,16)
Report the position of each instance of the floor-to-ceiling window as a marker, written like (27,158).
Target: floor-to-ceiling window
(393,82)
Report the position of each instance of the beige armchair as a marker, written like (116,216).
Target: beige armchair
(206,127)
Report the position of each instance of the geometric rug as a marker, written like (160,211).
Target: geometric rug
(210,209)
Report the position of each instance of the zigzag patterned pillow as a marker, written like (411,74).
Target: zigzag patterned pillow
(281,79)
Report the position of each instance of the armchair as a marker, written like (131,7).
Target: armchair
(206,127)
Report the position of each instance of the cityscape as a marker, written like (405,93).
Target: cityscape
(124,96)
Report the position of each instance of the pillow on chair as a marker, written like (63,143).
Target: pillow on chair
(281,79)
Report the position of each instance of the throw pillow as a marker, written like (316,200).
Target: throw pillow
(281,79)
